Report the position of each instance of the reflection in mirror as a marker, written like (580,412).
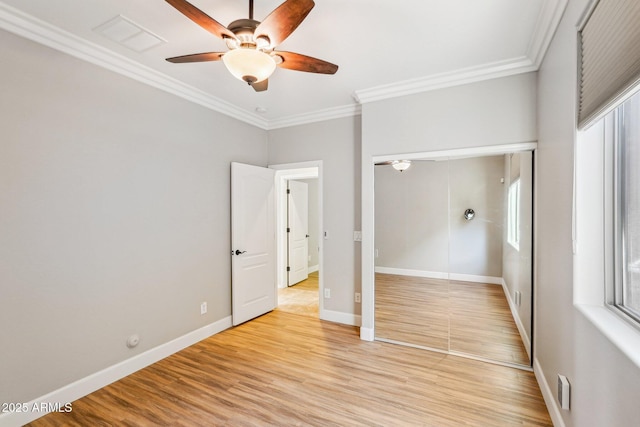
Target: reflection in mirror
(412,240)
(451,283)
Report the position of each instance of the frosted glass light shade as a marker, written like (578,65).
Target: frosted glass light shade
(401,165)
(249,65)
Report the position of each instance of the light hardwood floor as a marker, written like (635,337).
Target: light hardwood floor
(469,318)
(301,298)
(284,369)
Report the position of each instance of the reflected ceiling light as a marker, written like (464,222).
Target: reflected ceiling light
(249,65)
(401,165)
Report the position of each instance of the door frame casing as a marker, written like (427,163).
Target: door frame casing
(285,172)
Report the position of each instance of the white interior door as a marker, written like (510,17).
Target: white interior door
(253,272)
(298,232)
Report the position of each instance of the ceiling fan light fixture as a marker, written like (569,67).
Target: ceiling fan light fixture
(249,65)
(401,165)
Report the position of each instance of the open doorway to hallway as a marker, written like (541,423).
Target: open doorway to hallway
(301,298)
(299,294)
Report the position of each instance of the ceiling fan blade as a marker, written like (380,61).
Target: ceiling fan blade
(197,57)
(283,20)
(298,62)
(201,18)
(260,86)
(388,162)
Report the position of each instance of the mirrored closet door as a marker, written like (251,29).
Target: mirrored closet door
(453,256)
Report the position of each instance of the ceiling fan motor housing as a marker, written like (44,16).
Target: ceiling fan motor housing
(244,30)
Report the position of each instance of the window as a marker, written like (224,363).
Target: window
(627,208)
(513,214)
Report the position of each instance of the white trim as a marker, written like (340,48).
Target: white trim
(414,273)
(516,318)
(593,225)
(619,332)
(459,153)
(316,116)
(463,76)
(492,280)
(547,394)
(546,25)
(366,334)
(341,317)
(34,29)
(96,381)
(314,268)
(284,172)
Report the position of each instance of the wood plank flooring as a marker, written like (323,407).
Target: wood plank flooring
(413,310)
(469,318)
(284,369)
(301,298)
(482,324)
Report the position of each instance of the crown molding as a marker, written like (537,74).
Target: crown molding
(316,116)
(41,32)
(440,81)
(44,33)
(546,25)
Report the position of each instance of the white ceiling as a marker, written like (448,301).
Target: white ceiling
(384,48)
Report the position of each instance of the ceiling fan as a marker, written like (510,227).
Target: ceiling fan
(251,56)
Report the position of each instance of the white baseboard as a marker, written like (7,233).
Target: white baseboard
(440,275)
(367,334)
(340,317)
(516,317)
(492,280)
(314,268)
(414,273)
(96,381)
(547,394)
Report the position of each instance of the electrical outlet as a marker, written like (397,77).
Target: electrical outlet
(377,253)
(518,298)
(327,293)
(357,236)
(357,297)
(203,308)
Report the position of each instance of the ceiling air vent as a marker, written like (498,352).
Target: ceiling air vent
(129,34)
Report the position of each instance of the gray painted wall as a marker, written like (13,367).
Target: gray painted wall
(476,245)
(518,264)
(605,383)
(412,217)
(114,216)
(337,144)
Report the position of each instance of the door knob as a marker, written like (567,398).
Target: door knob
(306,235)
(238,252)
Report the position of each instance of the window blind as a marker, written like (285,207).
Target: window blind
(609,57)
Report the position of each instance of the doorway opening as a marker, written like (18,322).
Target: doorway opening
(298,245)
